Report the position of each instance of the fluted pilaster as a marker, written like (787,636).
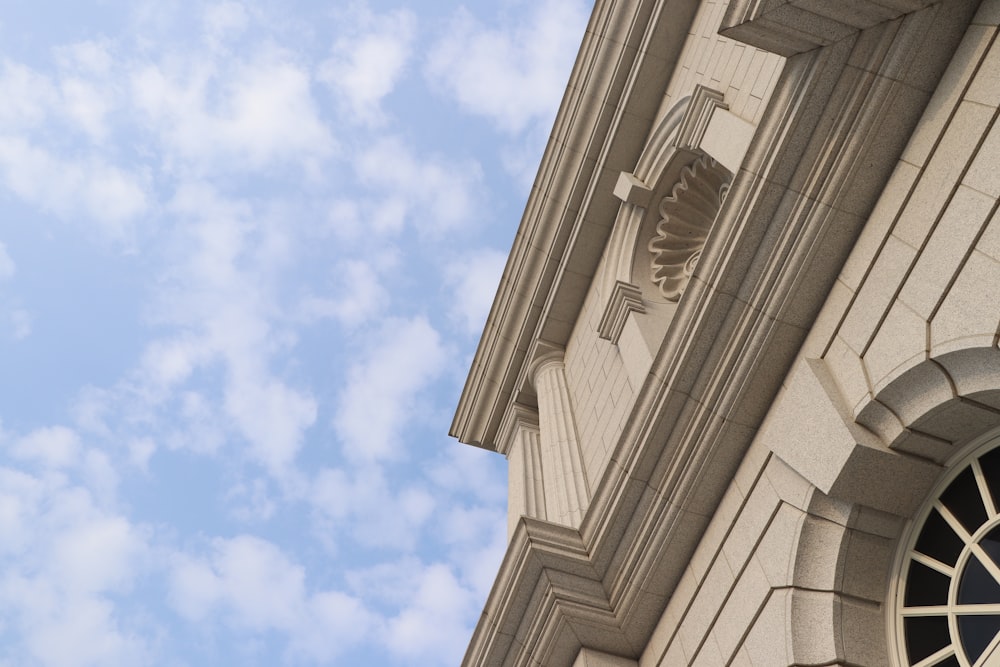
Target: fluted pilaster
(567,492)
(522,446)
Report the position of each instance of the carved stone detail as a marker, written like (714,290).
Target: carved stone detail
(686,216)
(625,298)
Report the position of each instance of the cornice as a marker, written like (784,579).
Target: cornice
(790,27)
(626,53)
(819,160)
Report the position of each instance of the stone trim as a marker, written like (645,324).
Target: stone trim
(625,299)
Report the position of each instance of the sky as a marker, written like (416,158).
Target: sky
(246,252)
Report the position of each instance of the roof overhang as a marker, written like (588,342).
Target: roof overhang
(614,93)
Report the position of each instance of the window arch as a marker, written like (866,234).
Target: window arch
(947,590)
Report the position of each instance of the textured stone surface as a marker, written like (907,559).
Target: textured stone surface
(780,513)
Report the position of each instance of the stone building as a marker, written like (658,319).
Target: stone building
(743,359)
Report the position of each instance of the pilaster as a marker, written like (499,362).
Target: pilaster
(520,441)
(567,492)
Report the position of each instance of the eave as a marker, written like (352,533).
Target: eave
(614,93)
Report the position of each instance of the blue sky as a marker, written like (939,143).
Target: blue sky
(246,252)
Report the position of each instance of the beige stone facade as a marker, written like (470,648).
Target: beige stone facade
(747,333)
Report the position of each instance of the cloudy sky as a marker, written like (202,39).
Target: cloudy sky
(246,252)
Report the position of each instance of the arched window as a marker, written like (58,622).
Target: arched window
(947,593)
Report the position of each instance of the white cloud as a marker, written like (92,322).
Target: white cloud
(375,512)
(442,192)
(272,416)
(87,105)
(219,302)
(433,626)
(53,447)
(111,196)
(381,392)
(71,558)
(474,278)
(223,20)
(20,321)
(91,57)
(514,75)
(252,586)
(236,114)
(7,266)
(361,297)
(28,97)
(367,64)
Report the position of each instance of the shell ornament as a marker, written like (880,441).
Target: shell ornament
(686,216)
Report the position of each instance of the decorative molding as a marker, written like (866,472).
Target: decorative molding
(686,217)
(632,190)
(518,417)
(789,27)
(704,101)
(625,298)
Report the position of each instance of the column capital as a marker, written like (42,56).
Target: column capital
(518,417)
(545,356)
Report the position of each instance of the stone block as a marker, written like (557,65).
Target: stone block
(750,524)
(848,372)
(942,172)
(985,87)
(879,224)
(710,654)
(863,633)
(768,642)
(975,374)
(811,431)
(988,14)
(591,658)
(867,562)
(700,616)
(632,190)
(748,596)
(776,550)
(727,138)
(877,293)
(989,242)
(815,639)
(983,174)
(901,342)
(969,316)
(817,554)
(950,241)
(948,93)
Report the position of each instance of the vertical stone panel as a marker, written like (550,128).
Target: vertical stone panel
(567,491)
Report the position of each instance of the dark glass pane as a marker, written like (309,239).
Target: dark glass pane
(925,587)
(976,633)
(948,662)
(977,586)
(991,544)
(962,497)
(938,540)
(990,463)
(925,635)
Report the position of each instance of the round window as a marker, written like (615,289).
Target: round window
(948,592)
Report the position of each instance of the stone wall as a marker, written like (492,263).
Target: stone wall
(796,563)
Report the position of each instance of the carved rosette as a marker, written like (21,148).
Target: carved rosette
(686,216)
